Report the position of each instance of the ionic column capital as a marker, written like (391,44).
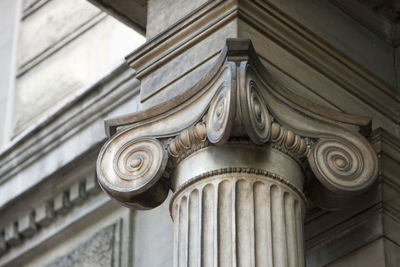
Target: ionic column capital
(236,101)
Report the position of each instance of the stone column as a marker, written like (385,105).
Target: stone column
(238,205)
(238,150)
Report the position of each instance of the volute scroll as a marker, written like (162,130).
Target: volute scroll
(344,167)
(253,109)
(341,159)
(136,172)
(220,115)
(237,100)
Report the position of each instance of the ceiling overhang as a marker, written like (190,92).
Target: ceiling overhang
(133,13)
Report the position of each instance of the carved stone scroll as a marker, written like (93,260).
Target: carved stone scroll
(221,115)
(340,158)
(137,167)
(132,164)
(254,112)
(236,132)
(342,166)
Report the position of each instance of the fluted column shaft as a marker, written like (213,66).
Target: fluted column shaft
(238,216)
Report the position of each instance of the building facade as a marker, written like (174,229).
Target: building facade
(237,133)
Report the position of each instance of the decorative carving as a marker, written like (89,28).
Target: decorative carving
(188,139)
(37,219)
(236,170)
(342,160)
(254,221)
(139,160)
(239,98)
(221,116)
(342,166)
(127,178)
(98,250)
(288,141)
(254,112)
(137,167)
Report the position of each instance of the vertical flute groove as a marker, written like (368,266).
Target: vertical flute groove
(176,232)
(216,226)
(262,226)
(200,229)
(224,219)
(207,234)
(238,222)
(291,240)
(182,236)
(187,231)
(270,225)
(278,222)
(234,226)
(299,232)
(244,224)
(193,231)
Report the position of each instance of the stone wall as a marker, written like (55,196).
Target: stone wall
(63,46)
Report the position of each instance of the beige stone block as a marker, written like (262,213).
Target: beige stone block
(77,193)
(184,71)
(44,214)
(62,203)
(11,235)
(91,185)
(294,70)
(78,64)
(392,253)
(50,24)
(26,225)
(371,255)
(344,33)
(164,13)
(153,231)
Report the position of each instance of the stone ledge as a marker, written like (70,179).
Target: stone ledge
(77,118)
(95,208)
(30,224)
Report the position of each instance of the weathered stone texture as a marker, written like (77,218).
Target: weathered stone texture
(159,19)
(97,251)
(50,24)
(64,46)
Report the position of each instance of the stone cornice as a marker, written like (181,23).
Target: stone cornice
(322,57)
(238,98)
(284,31)
(76,115)
(380,17)
(38,219)
(132,13)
